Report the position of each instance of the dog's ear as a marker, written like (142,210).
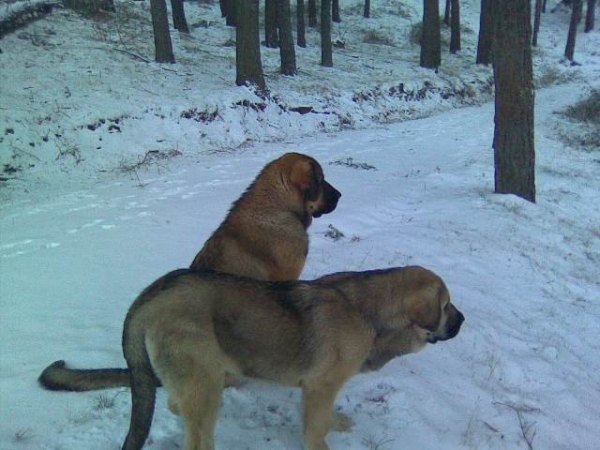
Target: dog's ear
(305,178)
(423,307)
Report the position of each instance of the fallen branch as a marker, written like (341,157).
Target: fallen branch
(19,14)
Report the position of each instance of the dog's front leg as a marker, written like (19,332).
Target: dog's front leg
(317,400)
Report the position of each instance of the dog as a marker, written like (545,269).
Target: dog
(189,329)
(262,237)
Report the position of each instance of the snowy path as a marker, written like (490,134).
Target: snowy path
(526,277)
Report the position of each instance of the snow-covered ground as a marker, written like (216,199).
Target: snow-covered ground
(86,223)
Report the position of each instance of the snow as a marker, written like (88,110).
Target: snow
(84,226)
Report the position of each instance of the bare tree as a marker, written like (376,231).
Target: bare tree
(335,11)
(484,43)
(162,38)
(575,19)
(247,46)
(589,17)
(179,20)
(271,27)
(431,56)
(326,46)
(229,11)
(447,13)
(536,21)
(514,153)
(300,24)
(367,9)
(286,48)
(454,26)
(312,13)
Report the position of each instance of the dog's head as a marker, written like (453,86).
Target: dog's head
(428,307)
(306,176)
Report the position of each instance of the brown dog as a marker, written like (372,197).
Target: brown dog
(191,328)
(262,237)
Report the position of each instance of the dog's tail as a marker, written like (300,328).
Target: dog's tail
(142,381)
(58,377)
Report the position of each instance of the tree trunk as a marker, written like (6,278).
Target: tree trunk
(589,17)
(179,21)
(300,24)
(335,11)
(484,44)
(575,18)
(247,46)
(326,47)
(536,22)
(162,38)
(544,6)
(271,28)
(312,13)
(514,154)
(454,27)
(229,11)
(447,13)
(286,47)
(367,10)
(431,56)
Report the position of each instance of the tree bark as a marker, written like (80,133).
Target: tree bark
(589,17)
(367,10)
(271,26)
(431,56)
(454,26)
(536,22)
(312,13)
(179,21)
(447,13)
(484,44)
(229,11)
(286,48)
(247,46)
(162,38)
(300,24)
(572,36)
(335,11)
(514,154)
(326,46)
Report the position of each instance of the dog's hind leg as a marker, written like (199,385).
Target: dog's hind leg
(196,396)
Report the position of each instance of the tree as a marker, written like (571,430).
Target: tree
(179,21)
(286,48)
(312,13)
(484,43)
(514,154)
(247,46)
(575,19)
(162,38)
(536,21)
(589,17)
(271,28)
(229,11)
(431,56)
(335,11)
(367,9)
(300,24)
(447,13)
(454,26)
(326,47)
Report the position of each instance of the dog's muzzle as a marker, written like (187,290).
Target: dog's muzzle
(452,329)
(330,200)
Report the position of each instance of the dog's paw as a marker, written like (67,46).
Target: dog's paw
(341,422)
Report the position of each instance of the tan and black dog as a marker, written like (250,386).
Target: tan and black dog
(262,237)
(189,329)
